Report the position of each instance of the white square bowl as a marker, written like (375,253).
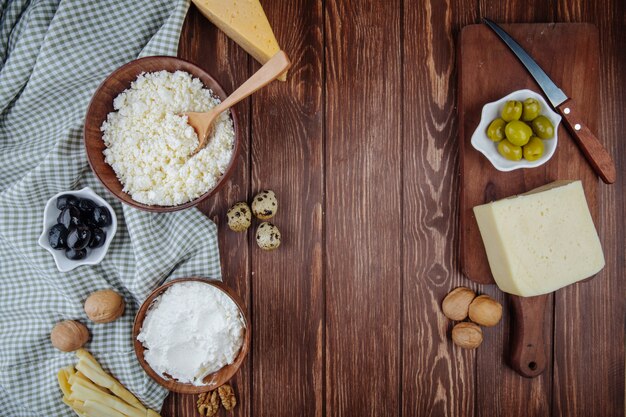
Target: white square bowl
(489,148)
(50,214)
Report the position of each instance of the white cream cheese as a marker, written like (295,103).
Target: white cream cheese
(192,330)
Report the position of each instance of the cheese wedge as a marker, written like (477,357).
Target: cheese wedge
(542,240)
(243,21)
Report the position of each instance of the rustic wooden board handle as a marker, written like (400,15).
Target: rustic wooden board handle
(528,353)
(595,153)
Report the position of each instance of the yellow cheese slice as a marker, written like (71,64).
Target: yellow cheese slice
(243,21)
(540,241)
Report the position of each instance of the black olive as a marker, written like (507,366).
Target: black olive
(86,205)
(86,218)
(76,254)
(70,216)
(66,200)
(57,236)
(98,236)
(78,237)
(101,216)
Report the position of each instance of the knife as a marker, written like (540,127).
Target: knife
(596,154)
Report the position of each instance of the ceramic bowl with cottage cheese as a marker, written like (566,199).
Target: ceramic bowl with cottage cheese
(140,146)
(191,335)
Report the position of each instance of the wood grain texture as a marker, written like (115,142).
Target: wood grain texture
(595,152)
(287,157)
(516,11)
(363,213)
(437,377)
(589,339)
(527,352)
(351,334)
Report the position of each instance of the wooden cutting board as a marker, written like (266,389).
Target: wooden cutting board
(488,70)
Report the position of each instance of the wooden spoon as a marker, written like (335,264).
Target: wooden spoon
(202,122)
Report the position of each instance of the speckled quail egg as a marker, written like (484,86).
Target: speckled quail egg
(239,217)
(268,236)
(265,205)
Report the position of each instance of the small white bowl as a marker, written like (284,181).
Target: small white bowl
(50,214)
(487,147)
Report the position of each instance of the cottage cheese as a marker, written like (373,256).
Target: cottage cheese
(149,146)
(191,331)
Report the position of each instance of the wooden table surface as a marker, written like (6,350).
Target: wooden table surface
(361,148)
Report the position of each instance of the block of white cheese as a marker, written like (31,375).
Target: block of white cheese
(542,240)
(243,21)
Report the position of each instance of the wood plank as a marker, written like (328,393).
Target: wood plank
(287,284)
(363,213)
(589,317)
(517,11)
(437,377)
(206,46)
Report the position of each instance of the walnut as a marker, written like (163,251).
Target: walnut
(104,306)
(456,304)
(467,335)
(227,395)
(69,335)
(485,311)
(208,403)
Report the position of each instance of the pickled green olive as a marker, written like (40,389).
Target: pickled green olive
(512,110)
(533,150)
(510,151)
(495,131)
(531,109)
(542,126)
(518,133)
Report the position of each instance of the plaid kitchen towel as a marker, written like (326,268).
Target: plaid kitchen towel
(53,55)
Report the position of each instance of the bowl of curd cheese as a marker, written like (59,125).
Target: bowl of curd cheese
(138,141)
(191,335)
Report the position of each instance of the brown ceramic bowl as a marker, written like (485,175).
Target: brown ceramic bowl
(213,380)
(102,104)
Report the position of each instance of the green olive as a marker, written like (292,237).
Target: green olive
(495,131)
(510,151)
(531,109)
(512,110)
(518,133)
(542,126)
(533,150)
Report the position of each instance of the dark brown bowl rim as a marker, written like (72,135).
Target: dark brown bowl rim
(226,372)
(220,183)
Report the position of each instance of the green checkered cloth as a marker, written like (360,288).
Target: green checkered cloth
(53,55)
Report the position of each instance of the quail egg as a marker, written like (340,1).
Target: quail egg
(265,205)
(268,236)
(239,217)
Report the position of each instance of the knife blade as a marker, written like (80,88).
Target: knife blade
(594,151)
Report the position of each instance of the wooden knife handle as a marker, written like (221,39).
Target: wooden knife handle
(596,154)
(528,353)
